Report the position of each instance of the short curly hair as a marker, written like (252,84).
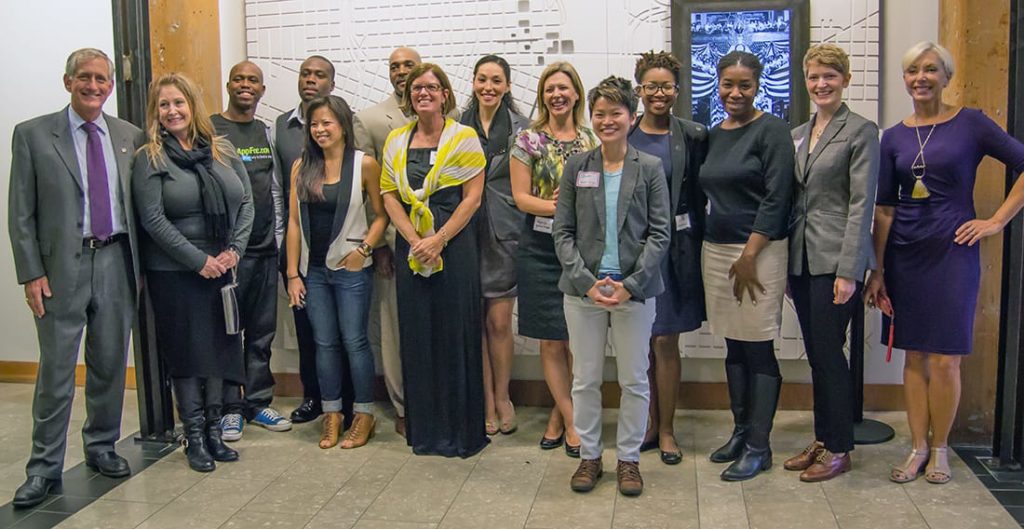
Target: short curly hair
(830,55)
(650,60)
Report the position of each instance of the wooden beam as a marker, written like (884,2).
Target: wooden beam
(977,33)
(185,38)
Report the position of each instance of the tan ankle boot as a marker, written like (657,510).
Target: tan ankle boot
(332,429)
(362,430)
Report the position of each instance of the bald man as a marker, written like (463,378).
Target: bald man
(257,271)
(372,127)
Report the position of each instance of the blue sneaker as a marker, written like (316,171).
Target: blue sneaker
(270,419)
(231,427)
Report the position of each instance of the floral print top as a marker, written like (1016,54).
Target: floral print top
(545,156)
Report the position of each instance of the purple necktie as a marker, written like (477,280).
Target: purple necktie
(99,188)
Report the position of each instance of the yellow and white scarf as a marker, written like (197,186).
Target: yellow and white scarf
(459,159)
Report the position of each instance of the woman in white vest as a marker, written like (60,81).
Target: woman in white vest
(329,243)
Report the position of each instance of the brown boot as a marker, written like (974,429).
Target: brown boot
(826,466)
(630,481)
(362,430)
(804,459)
(586,475)
(332,429)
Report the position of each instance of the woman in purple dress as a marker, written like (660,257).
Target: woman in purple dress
(926,235)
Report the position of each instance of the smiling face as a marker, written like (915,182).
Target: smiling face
(489,85)
(245,86)
(316,79)
(559,95)
(89,88)
(427,94)
(662,83)
(174,112)
(926,78)
(825,85)
(325,128)
(737,88)
(401,62)
(611,121)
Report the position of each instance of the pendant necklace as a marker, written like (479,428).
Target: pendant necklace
(918,167)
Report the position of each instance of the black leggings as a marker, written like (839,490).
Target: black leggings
(759,357)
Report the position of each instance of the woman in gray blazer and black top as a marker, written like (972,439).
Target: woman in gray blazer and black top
(193,198)
(611,231)
(830,247)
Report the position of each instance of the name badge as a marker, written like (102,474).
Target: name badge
(683,222)
(433,157)
(543,224)
(588,179)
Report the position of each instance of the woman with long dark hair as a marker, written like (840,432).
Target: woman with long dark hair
(330,244)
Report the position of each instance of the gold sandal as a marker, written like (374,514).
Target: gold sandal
(509,425)
(362,430)
(940,473)
(332,429)
(907,472)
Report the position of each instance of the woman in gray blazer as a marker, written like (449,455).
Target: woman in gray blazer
(829,250)
(193,198)
(611,231)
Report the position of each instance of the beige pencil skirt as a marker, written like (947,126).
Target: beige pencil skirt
(744,321)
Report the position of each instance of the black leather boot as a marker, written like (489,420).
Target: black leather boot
(757,452)
(736,375)
(188,394)
(214,406)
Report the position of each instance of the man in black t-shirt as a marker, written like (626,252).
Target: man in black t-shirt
(257,271)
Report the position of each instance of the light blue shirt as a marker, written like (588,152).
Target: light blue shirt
(610,257)
(81,138)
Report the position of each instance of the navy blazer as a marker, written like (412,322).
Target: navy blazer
(643,219)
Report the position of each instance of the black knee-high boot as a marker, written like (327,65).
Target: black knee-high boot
(188,393)
(214,404)
(739,401)
(757,452)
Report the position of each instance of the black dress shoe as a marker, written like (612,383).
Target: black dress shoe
(572,451)
(34,491)
(307,411)
(109,464)
(671,458)
(551,444)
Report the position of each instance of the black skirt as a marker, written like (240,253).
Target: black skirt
(189,318)
(541,314)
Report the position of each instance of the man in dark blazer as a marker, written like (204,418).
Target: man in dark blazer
(72,230)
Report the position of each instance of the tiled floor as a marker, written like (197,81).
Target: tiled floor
(285,481)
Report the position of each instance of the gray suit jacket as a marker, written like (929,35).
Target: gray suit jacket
(46,202)
(835,197)
(644,224)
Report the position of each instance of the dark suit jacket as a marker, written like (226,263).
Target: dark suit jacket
(834,197)
(46,200)
(643,221)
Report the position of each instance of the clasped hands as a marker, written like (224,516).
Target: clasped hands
(427,250)
(616,293)
(219,265)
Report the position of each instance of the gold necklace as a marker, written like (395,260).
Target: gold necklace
(918,168)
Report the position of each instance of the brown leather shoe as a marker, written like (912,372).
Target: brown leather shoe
(630,481)
(804,459)
(826,466)
(332,429)
(586,475)
(400,425)
(362,430)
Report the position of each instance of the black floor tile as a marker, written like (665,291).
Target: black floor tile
(65,504)
(41,520)
(992,483)
(1017,513)
(10,516)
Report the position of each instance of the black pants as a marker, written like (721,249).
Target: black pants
(823,324)
(257,300)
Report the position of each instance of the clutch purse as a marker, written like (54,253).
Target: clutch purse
(232,321)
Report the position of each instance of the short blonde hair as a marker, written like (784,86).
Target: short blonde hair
(828,55)
(917,50)
(577,85)
(419,71)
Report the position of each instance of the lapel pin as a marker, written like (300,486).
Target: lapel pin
(124,150)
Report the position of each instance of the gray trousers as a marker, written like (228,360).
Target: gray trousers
(104,302)
(383,335)
(630,325)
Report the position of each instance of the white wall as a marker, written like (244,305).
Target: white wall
(39,36)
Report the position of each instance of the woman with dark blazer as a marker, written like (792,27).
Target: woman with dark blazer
(193,199)
(493,114)
(611,231)
(829,249)
(680,145)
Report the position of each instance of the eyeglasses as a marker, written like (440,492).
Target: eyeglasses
(652,88)
(430,88)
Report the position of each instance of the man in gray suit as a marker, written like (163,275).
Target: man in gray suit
(372,127)
(73,234)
